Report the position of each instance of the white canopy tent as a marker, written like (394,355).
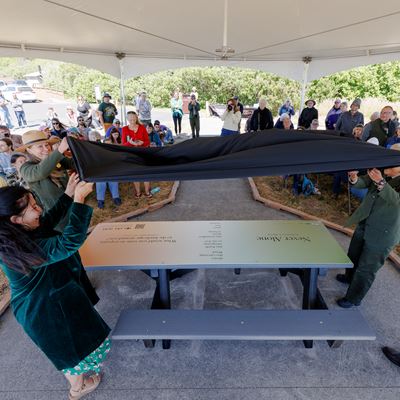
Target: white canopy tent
(298,39)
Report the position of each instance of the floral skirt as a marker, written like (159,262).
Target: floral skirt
(92,362)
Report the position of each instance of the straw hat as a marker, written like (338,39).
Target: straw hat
(34,137)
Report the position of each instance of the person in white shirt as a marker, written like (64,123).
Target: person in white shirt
(231,118)
(16,104)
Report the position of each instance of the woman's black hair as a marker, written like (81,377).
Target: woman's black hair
(118,140)
(62,126)
(17,249)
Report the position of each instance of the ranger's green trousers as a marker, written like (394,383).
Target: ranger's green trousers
(368,257)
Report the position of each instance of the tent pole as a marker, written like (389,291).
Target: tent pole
(306,61)
(121,57)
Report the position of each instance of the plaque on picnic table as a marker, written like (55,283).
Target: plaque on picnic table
(212,244)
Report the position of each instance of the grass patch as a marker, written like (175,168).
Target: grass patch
(324,206)
(129,201)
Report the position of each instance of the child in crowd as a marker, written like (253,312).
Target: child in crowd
(114,137)
(6,149)
(155,140)
(15,179)
(164,132)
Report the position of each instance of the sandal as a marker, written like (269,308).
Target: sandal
(138,195)
(86,387)
(148,195)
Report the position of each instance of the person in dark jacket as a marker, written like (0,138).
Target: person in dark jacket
(51,295)
(349,119)
(308,114)
(284,122)
(382,128)
(58,129)
(194,116)
(376,234)
(262,117)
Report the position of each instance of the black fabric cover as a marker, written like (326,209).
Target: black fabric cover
(270,152)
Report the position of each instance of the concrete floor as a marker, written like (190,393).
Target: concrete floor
(222,370)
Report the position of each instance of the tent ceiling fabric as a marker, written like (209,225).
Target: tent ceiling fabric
(157,35)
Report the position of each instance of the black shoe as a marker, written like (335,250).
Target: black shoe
(100,204)
(344,303)
(343,278)
(392,355)
(117,201)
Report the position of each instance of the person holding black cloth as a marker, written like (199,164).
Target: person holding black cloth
(376,234)
(262,117)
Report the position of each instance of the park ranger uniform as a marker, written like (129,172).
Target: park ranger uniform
(377,232)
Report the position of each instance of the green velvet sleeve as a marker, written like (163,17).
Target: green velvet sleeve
(60,247)
(51,218)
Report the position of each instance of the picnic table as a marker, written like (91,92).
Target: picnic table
(168,249)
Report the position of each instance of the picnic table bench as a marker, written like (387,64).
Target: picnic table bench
(173,248)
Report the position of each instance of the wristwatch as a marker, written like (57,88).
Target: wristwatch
(380,184)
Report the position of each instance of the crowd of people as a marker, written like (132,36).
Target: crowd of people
(44,219)
(83,123)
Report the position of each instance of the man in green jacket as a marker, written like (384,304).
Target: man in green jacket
(377,231)
(46,172)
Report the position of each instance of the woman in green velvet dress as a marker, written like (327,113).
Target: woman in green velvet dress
(51,295)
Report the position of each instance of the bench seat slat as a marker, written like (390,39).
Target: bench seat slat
(242,325)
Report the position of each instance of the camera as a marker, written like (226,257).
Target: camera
(230,107)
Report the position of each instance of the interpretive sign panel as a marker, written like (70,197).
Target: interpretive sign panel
(212,244)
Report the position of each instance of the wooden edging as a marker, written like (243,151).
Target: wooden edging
(5,302)
(278,206)
(143,210)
